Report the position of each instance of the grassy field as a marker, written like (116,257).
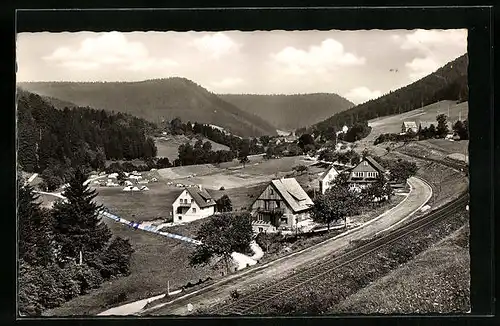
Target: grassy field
(155,261)
(156,203)
(169,146)
(437,280)
(233,174)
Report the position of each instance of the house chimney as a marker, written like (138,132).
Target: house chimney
(199,187)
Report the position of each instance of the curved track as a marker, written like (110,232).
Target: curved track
(255,299)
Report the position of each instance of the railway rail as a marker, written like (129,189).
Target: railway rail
(257,298)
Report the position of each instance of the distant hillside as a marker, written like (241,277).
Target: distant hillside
(155,100)
(52,141)
(447,83)
(290,112)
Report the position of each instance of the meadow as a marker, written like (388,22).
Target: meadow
(168,145)
(392,124)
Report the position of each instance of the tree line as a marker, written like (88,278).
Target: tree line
(236,144)
(54,142)
(65,251)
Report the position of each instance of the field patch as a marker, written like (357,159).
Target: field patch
(168,146)
(156,203)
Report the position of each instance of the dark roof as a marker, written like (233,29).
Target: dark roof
(201,197)
(375,164)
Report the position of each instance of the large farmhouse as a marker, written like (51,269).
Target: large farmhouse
(365,173)
(281,205)
(327,178)
(193,203)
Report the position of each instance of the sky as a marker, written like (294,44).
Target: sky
(358,65)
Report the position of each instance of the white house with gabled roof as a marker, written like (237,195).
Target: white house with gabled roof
(192,204)
(327,178)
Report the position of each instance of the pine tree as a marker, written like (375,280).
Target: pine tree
(77,222)
(35,228)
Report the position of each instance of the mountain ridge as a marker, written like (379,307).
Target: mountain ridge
(290,111)
(449,82)
(156,100)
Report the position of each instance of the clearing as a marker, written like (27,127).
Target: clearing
(168,145)
(392,124)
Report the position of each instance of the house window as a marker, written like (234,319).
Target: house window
(261,230)
(372,174)
(179,218)
(365,163)
(192,201)
(284,220)
(358,174)
(277,204)
(194,210)
(271,192)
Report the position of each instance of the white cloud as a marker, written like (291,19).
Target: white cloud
(435,48)
(227,83)
(362,94)
(426,41)
(421,67)
(216,45)
(107,49)
(330,54)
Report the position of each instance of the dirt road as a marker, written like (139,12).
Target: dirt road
(419,195)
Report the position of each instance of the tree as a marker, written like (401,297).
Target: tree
(35,228)
(121,177)
(77,223)
(300,168)
(442,127)
(244,160)
(328,155)
(265,140)
(220,236)
(460,129)
(377,191)
(336,204)
(305,140)
(223,204)
(115,259)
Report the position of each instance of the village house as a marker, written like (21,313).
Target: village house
(327,178)
(192,204)
(408,126)
(281,205)
(365,173)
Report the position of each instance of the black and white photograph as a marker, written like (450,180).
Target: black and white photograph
(242,173)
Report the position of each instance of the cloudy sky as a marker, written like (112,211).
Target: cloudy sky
(358,65)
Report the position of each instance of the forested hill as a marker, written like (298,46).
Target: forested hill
(447,83)
(289,112)
(52,141)
(156,100)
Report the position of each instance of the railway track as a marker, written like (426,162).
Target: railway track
(257,298)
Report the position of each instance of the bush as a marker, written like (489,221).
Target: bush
(115,259)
